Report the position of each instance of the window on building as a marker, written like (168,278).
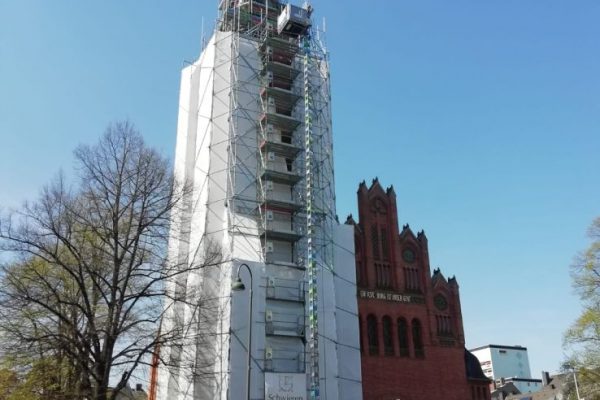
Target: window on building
(388,341)
(383,275)
(360,334)
(372,335)
(385,250)
(375,242)
(387,276)
(417,333)
(359,273)
(444,327)
(411,279)
(403,337)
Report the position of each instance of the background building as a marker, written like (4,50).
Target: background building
(412,339)
(129,393)
(505,364)
(254,141)
(555,387)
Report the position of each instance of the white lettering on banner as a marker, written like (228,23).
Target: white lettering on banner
(387,296)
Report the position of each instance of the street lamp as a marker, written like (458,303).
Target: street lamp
(238,285)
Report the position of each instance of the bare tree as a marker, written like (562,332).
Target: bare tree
(87,279)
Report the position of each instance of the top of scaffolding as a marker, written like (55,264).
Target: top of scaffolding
(256,16)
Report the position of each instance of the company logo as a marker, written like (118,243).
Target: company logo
(286,383)
(285,386)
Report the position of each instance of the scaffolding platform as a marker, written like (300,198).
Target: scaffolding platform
(284,122)
(285,99)
(288,178)
(283,149)
(281,45)
(280,69)
(273,233)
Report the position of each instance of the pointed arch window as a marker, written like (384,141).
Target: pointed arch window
(444,325)
(403,337)
(361,274)
(411,279)
(375,242)
(372,335)
(388,341)
(417,334)
(385,248)
(383,275)
(360,334)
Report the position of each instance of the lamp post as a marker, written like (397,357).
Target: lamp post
(576,387)
(238,285)
(572,368)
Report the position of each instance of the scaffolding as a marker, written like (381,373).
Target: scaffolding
(267,193)
(289,166)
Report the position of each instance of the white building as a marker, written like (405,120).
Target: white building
(507,364)
(254,141)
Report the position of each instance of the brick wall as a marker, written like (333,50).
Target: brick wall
(399,360)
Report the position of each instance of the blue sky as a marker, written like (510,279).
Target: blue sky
(484,115)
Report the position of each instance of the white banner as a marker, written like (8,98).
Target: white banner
(280,386)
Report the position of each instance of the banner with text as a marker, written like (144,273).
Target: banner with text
(281,386)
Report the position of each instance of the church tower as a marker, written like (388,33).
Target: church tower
(276,316)
(411,330)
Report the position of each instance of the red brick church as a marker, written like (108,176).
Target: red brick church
(412,338)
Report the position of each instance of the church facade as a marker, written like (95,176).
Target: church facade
(411,332)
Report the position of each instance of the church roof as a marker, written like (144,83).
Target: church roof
(473,367)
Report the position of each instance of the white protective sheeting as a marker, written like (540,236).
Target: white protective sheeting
(217,154)
(349,374)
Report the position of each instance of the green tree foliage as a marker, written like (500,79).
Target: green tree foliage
(40,382)
(582,339)
(8,383)
(36,338)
